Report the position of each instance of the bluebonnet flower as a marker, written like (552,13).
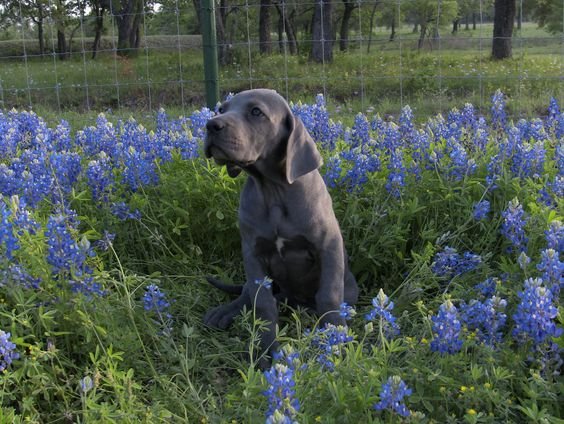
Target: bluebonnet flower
(86,384)
(528,160)
(99,177)
(382,310)
(360,132)
(446,328)
(7,236)
(534,318)
(362,164)
(64,253)
(266,282)
(198,120)
(346,311)
(329,340)
(392,396)
(332,176)
(523,260)
(406,121)
(512,228)
(485,318)
(481,210)
(7,351)
(100,138)
(396,177)
(122,212)
(154,300)
(461,165)
(553,109)
(488,287)
(552,270)
(317,122)
(499,115)
(105,241)
(66,168)
(555,236)
(283,405)
(449,263)
(15,273)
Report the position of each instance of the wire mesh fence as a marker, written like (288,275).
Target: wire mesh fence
(66,54)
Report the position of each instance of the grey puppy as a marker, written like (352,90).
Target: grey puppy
(289,232)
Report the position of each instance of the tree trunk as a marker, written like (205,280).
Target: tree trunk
(504,18)
(455,26)
(473,21)
(125,19)
(422,34)
(393,29)
(99,27)
(322,32)
(265,42)
(286,26)
(223,50)
(40,32)
(198,9)
(345,25)
(61,42)
(372,15)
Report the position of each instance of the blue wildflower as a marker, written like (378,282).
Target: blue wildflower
(64,253)
(99,177)
(198,120)
(154,300)
(552,270)
(382,310)
(512,228)
(333,170)
(7,351)
(7,236)
(360,132)
(488,287)
(534,319)
(486,319)
(481,210)
(266,283)
(122,212)
(446,328)
(392,396)
(555,236)
(329,340)
(346,311)
(86,384)
(396,177)
(499,115)
(283,405)
(449,263)
(15,273)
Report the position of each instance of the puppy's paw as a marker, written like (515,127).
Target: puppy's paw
(221,316)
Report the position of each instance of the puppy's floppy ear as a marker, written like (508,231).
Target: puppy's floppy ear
(302,155)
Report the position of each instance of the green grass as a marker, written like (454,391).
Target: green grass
(390,76)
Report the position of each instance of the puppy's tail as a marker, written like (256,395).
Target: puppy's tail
(228,288)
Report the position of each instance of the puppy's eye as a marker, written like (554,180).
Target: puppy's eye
(220,110)
(256,111)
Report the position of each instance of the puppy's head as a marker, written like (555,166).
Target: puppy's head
(256,128)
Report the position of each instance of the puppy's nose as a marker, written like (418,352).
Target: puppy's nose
(215,125)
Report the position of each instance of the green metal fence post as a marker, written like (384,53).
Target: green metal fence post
(209,41)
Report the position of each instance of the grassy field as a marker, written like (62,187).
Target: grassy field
(389,76)
(454,230)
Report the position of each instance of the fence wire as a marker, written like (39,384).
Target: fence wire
(387,60)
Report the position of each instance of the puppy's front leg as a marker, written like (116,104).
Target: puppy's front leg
(331,288)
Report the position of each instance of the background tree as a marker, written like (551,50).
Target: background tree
(265,42)
(322,32)
(550,15)
(37,10)
(127,15)
(350,6)
(430,14)
(504,19)
(99,8)
(286,25)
